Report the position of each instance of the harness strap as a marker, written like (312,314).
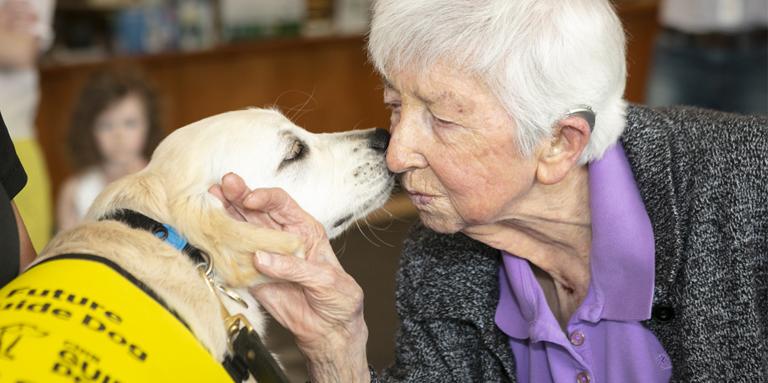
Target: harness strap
(249,348)
(236,368)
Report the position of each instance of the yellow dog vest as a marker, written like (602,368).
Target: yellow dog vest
(79,320)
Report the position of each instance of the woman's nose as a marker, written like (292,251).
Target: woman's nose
(403,154)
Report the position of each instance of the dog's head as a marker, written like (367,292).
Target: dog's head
(337,177)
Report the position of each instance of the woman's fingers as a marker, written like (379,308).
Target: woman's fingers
(231,192)
(234,188)
(281,207)
(216,191)
(283,210)
(293,269)
(274,208)
(275,202)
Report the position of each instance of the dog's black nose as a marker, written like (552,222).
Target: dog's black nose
(379,140)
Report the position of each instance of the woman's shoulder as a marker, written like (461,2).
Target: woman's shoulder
(692,147)
(691,129)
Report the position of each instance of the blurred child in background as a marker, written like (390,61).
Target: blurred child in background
(114,129)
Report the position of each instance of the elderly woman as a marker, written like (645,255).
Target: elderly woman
(566,236)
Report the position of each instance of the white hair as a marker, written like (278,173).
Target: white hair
(540,58)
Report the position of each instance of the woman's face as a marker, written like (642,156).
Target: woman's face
(455,147)
(121,131)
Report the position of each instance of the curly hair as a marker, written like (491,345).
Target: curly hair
(103,89)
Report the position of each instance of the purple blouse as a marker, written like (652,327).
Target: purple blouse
(605,341)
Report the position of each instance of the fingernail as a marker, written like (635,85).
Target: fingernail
(264,259)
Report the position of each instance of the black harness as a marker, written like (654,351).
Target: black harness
(248,353)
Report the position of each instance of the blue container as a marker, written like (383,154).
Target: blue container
(130,29)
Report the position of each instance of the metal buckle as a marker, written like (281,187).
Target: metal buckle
(207,275)
(234,323)
(231,295)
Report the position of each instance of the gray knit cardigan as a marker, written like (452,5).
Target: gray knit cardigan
(703,177)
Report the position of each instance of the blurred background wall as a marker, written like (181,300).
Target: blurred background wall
(306,57)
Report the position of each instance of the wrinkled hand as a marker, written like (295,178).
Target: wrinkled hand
(314,298)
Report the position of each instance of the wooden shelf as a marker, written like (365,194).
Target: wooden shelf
(220,51)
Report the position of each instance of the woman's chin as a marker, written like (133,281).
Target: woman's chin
(439,223)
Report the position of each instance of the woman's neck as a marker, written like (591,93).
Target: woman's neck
(551,228)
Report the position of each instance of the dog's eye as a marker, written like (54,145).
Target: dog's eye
(296,151)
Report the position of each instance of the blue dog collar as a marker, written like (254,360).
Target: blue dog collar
(172,237)
(161,231)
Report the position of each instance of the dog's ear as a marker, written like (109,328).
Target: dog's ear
(231,244)
(143,192)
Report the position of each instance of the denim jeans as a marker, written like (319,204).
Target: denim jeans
(727,79)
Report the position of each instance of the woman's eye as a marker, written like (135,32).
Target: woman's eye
(441,121)
(296,151)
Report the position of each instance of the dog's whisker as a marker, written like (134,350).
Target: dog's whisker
(340,243)
(390,220)
(373,226)
(394,218)
(302,109)
(373,233)
(357,223)
(343,248)
(279,96)
(298,110)
(384,228)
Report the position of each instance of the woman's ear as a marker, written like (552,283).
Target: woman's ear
(558,156)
